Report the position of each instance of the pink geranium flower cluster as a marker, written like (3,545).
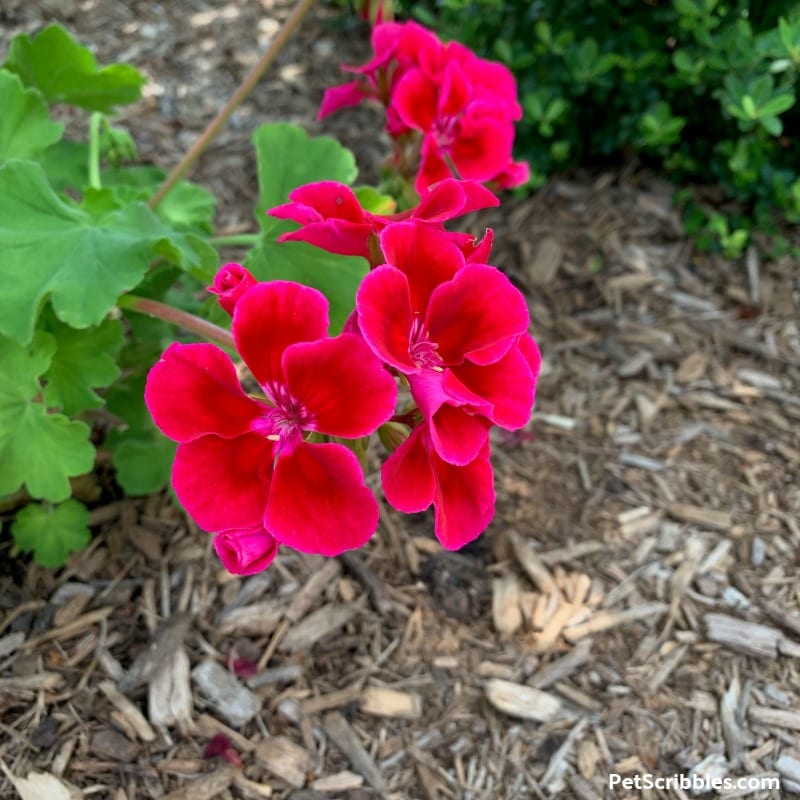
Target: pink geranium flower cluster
(445,107)
(278,465)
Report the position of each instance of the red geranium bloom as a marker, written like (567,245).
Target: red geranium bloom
(333,219)
(472,130)
(463,497)
(397,47)
(427,309)
(244,464)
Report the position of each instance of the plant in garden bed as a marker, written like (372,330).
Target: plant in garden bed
(311,336)
(703,89)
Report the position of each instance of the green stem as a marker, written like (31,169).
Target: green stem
(215,126)
(239,240)
(94,150)
(144,305)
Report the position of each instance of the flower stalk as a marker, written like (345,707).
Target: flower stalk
(208,330)
(236,99)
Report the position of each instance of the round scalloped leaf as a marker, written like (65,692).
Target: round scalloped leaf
(52,533)
(83,361)
(82,261)
(65,72)
(25,126)
(37,449)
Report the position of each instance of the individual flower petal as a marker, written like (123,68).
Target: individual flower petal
(432,166)
(507,384)
(193,390)
(344,96)
(223,483)
(230,283)
(330,199)
(483,145)
(424,254)
(318,502)
(464,499)
(450,198)
(515,173)
(456,435)
(384,316)
(245,552)
(336,236)
(415,100)
(270,317)
(407,477)
(474,250)
(344,389)
(480,308)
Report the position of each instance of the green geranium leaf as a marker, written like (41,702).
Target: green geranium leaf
(52,533)
(83,361)
(64,72)
(25,126)
(187,206)
(142,455)
(373,201)
(143,464)
(82,261)
(337,277)
(288,158)
(66,165)
(38,449)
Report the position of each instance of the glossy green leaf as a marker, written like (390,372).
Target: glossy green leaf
(65,72)
(52,533)
(25,126)
(37,449)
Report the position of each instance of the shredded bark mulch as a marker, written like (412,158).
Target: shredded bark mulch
(634,607)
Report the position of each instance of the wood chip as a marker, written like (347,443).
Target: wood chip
(506,611)
(131,713)
(603,620)
(326,702)
(166,640)
(381,701)
(521,701)
(549,254)
(749,638)
(777,717)
(234,701)
(338,730)
(169,694)
(258,619)
(207,787)
(532,564)
(285,759)
(41,786)
(789,766)
(107,744)
(715,520)
(563,667)
(31,683)
(323,622)
(340,782)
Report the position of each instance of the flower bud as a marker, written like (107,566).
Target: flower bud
(392,435)
(230,283)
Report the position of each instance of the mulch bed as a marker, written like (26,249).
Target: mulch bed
(633,608)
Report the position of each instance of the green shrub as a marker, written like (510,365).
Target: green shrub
(703,89)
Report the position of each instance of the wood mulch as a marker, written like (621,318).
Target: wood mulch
(634,607)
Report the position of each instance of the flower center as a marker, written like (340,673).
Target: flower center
(285,422)
(423,352)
